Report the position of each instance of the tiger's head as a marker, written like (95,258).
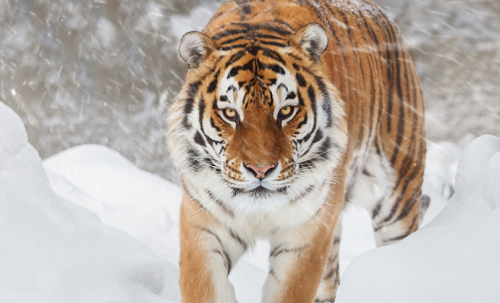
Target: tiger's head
(257,123)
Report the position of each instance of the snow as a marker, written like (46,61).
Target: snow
(89,226)
(56,251)
(455,257)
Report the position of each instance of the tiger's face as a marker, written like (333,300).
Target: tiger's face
(256,127)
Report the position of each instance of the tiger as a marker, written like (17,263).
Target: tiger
(291,110)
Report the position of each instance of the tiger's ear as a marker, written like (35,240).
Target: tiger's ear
(194,47)
(312,40)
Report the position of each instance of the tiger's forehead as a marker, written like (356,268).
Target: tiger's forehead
(255,75)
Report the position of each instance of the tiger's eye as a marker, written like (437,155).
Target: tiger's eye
(285,111)
(229,112)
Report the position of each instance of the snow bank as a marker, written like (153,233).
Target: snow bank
(139,203)
(55,251)
(454,258)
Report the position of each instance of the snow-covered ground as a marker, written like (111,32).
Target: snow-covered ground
(89,226)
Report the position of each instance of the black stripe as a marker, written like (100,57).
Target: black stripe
(308,164)
(238,239)
(198,139)
(229,32)
(324,149)
(213,85)
(300,80)
(272,54)
(264,36)
(312,98)
(326,101)
(212,123)
(278,250)
(416,168)
(376,209)
(407,207)
(225,259)
(235,70)
(195,161)
(413,224)
(317,137)
(229,41)
(186,190)
(329,274)
(291,96)
(188,108)
(301,101)
(220,203)
(236,46)
(237,56)
(304,121)
(273,43)
(229,263)
(274,67)
(394,239)
(201,111)
(220,243)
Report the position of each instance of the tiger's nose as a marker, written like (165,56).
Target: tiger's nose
(260,172)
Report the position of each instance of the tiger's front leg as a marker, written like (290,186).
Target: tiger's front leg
(208,252)
(298,258)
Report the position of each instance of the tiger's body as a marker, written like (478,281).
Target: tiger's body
(292,109)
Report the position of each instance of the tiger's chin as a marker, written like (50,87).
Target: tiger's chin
(259,200)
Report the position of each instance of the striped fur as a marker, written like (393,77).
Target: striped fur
(292,109)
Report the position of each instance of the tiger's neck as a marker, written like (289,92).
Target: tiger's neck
(303,207)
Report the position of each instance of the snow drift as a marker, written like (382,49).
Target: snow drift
(56,251)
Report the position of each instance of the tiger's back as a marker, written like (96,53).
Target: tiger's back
(368,136)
